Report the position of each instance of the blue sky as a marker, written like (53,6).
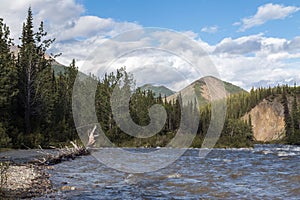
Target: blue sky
(250,42)
(196,14)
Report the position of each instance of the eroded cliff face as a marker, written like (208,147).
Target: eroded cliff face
(267,120)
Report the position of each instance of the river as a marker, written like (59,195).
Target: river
(264,172)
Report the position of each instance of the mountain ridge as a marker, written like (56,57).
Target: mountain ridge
(158,90)
(204,92)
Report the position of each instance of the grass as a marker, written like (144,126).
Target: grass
(5,149)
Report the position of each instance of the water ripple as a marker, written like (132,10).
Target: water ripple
(265,172)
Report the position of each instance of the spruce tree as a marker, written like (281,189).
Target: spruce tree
(27,63)
(295,114)
(287,116)
(70,75)
(8,85)
(35,78)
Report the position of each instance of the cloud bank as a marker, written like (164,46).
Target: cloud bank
(244,61)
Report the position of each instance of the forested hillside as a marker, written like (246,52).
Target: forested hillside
(36,101)
(238,127)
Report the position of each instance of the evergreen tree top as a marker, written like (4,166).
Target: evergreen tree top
(28,33)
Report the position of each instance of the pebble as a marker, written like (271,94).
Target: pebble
(25,182)
(67,187)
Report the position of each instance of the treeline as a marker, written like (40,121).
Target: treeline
(35,102)
(237,132)
(290,101)
(139,105)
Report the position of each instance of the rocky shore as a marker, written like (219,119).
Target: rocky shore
(24,181)
(24,173)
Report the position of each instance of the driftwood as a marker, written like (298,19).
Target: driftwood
(92,137)
(66,153)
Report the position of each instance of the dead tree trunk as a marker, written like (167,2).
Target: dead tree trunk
(92,136)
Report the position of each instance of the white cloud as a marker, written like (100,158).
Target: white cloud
(242,45)
(294,44)
(76,34)
(64,19)
(258,45)
(55,13)
(256,59)
(266,13)
(236,24)
(159,70)
(190,34)
(210,29)
(244,60)
(88,26)
(151,55)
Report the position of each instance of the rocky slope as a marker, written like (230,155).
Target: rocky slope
(204,93)
(267,120)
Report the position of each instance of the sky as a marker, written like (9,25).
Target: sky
(249,42)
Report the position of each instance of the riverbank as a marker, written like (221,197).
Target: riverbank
(24,181)
(23,173)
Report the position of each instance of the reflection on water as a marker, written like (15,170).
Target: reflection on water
(265,172)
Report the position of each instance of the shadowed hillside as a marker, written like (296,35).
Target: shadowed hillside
(157,90)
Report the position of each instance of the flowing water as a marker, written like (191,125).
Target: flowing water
(265,172)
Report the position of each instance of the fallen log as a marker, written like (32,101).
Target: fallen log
(62,154)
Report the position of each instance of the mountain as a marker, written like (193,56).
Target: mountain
(164,91)
(270,83)
(201,90)
(56,66)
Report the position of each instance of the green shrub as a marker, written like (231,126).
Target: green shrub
(4,139)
